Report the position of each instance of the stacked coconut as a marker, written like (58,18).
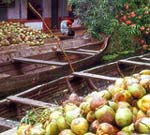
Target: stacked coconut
(17,33)
(122,109)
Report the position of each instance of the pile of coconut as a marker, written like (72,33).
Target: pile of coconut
(18,33)
(122,109)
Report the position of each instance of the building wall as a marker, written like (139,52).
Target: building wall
(16,12)
(13,12)
(62,8)
(46,8)
(19,11)
(23,9)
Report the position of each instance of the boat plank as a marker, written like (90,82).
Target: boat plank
(90,51)
(27,101)
(89,75)
(135,62)
(147,59)
(8,123)
(3,75)
(78,52)
(10,132)
(29,60)
(7,68)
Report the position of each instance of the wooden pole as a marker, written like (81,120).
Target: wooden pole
(59,43)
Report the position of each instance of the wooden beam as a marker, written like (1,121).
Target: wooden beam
(89,51)
(78,52)
(4,76)
(147,59)
(12,131)
(87,45)
(134,62)
(144,55)
(30,102)
(28,60)
(95,76)
(8,123)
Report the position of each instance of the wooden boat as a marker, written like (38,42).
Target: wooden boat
(24,72)
(23,50)
(45,95)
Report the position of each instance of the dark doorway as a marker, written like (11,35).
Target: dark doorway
(3,14)
(71,11)
(54,9)
(37,4)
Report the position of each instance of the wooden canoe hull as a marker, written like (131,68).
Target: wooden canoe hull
(80,84)
(16,83)
(47,94)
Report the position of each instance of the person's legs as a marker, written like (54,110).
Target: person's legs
(71,33)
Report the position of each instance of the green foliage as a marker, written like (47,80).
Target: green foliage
(96,15)
(122,19)
(137,16)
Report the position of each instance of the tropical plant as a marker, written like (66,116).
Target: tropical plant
(127,21)
(96,15)
(137,16)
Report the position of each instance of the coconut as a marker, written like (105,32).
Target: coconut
(97,102)
(70,115)
(69,107)
(85,108)
(105,114)
(144,103)
(128,129)
(90,116)
(123,117)
(143,125)
(66,132)
(93,126)
(113,105)
(55,115)
(140,114)
(79,126)
(145,72)
(136,90)
(106,128)
(122,95)
(61,123)
(52,128)
(105,94)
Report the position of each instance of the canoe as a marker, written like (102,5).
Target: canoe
(55,92)
(24,50)
(24,72)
